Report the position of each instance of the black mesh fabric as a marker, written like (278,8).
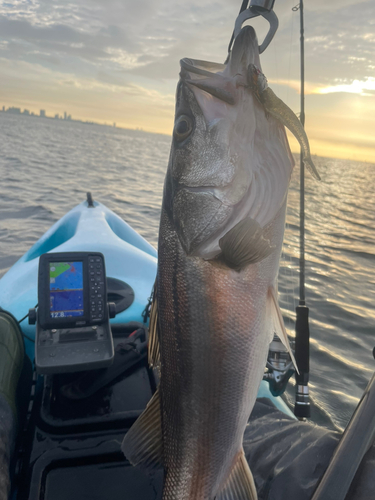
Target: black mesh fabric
(288,458)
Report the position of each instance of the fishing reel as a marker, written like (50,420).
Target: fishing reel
(280,367)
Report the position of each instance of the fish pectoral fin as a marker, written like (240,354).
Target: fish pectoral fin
(240,484)
(278,323)
(153,331)
(143,443)
(244,244)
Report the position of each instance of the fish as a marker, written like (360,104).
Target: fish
(215,306)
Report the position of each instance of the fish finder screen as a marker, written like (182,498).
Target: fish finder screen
(66,289)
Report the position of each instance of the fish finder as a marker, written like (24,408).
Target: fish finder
(72,322)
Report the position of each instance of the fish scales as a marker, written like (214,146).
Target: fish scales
(212,359)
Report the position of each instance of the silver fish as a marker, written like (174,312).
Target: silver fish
(215,309)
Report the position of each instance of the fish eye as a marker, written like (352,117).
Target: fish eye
(182,128)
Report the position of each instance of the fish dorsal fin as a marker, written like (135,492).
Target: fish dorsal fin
(244,244)
(154,345)
(143,443)
(278,323)
(240,483)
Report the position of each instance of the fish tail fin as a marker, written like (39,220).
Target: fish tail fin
(240,484)
(278,323)
(143,443)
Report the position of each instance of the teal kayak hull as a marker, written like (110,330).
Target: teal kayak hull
(128,257)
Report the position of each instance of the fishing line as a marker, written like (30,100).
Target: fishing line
(276,66)
(287,272)
(290,48)
(293,270)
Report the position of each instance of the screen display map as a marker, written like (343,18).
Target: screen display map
(66,289)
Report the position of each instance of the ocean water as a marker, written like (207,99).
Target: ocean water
(47,166)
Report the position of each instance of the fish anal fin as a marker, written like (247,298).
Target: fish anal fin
(143,443)
(244,244)
(240,483)
(278,323)
(153,331)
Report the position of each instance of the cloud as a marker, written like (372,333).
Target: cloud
(310,88)
(365,88)
(323,6)
(124,33)
(61,90)
(148,38)
(123,52)
(62,39)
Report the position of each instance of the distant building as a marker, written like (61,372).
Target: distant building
(32,113)
(56,116)
(13,110)
(26,112)
(114,124)
(69,117)
(65,115)
(3,108)
(42,113)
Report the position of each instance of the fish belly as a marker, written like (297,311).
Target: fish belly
(215,334)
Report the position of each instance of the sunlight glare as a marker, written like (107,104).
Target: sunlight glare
(366,87)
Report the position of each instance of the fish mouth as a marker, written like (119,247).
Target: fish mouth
(222,80)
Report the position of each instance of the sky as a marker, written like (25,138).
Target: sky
(118,61)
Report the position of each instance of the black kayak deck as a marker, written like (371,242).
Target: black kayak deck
(70,449)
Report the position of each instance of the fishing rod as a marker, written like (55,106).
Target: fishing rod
(279,363)
(302,340)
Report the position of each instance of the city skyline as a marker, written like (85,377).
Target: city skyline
(119,62)
(43,114)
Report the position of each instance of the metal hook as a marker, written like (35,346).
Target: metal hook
(259,8)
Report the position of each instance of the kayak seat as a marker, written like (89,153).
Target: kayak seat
(12,352)
(15,387)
